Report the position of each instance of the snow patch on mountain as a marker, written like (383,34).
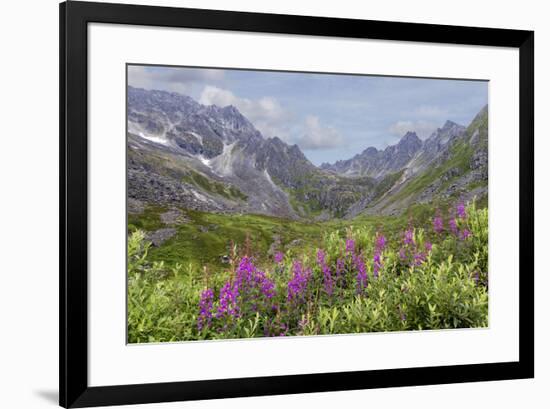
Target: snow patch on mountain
(155,139)
(205,161)
(196,135)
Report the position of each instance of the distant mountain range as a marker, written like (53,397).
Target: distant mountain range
(209,158)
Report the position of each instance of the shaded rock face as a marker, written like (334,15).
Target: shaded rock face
(479,160)
(287,164)
(397,156)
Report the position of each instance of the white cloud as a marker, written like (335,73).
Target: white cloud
(266,113)
(422,128)
(271,119)
(173,79)
(216,96)
(317,136)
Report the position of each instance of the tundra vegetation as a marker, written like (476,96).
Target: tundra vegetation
(371,274)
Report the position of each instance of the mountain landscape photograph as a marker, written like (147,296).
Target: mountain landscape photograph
(271,203)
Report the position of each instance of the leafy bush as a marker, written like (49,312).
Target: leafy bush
(359,281)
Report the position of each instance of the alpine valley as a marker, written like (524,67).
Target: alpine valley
(185,155)
(232,234)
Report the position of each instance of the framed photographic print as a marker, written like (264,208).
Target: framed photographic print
(256,204)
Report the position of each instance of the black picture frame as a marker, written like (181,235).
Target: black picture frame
(73,256)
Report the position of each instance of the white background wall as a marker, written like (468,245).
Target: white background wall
(28,202)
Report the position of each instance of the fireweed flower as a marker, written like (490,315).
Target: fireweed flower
(361,279)
(205,308)
(244,274)
(409,237)
(278,257)
(249,284)
(320,257)
(379,246)
(461,211)
(465,234)
(380,242)
(228,296)
(339,268)
(327,279)
(258,280)
(350,246)
(266,286)
(452,226)
(327,275)
(298,283)
(402,254)
(419,258)
(438,224)
(428,246)
(376,264)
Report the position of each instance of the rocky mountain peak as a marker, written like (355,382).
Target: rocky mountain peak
(296,151)
(276,141)
(441,137)
(231,109)
(410,139)
(449,125)
(407,146)
(230,117)
(371,151)
(179,122)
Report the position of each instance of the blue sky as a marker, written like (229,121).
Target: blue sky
(329,116)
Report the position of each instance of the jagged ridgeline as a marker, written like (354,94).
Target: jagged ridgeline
(207,158)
